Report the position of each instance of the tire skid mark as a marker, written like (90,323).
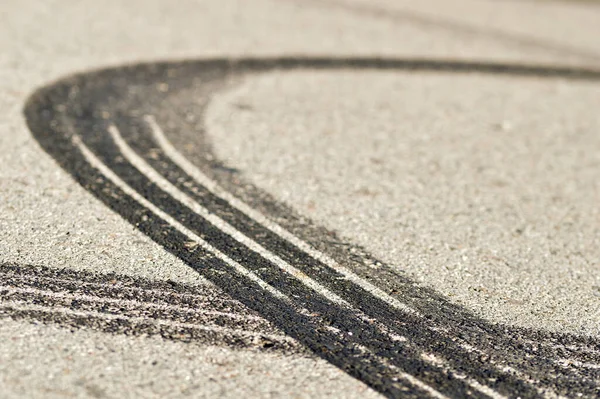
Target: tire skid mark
(206,251)
(362,338)
(153,152)
(349,323)
(118,324)
(131,309)
(173,166)
(20,286)
(142,167)
(214,302)
(397,320)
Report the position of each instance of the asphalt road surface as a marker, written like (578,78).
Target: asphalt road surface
(406,207)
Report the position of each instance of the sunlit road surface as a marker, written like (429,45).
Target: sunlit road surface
(335,198)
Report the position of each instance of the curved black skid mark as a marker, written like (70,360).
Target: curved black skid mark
(86,105)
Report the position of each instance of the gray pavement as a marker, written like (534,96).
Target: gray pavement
(482,188)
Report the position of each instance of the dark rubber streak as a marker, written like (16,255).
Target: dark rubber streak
(399,322)
(127,94)
(148,304)
(346,320)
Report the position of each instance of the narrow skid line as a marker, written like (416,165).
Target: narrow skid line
(157,293)
(17,306)
(95,280)
(96,299)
